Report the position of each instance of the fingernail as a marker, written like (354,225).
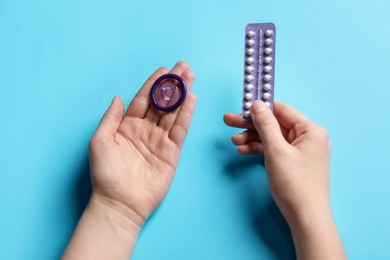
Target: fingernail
(258,106)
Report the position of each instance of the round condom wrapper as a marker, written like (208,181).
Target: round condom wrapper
(168,92)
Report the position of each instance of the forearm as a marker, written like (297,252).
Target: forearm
(103,232)
(315,236)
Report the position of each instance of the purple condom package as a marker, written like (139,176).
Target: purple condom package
(259,69)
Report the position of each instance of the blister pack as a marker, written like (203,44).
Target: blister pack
(259,69)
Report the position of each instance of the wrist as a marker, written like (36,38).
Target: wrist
(121,217)
(310,212)
(315,234)
(106,230)
(311,219)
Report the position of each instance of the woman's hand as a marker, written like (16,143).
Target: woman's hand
(134,155)
(133,158)
(296,155)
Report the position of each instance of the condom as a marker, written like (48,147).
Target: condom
(168,92)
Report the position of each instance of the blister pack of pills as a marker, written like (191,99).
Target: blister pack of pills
(259,66)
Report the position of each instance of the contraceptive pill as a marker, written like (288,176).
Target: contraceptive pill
(259,68)
(248,87)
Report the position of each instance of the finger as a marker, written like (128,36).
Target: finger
(284,131)
(235,120)
(288,116)
(180,67)
(141,102)
(251,148)
(153,114)
(246,137)
(168,119)
(267,126)
(180,128)
(111,119)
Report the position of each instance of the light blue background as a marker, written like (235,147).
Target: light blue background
(61,62)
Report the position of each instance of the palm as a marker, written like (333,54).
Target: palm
(143,154)
(150,144)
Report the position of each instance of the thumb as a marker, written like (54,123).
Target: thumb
(267,126)
(112,118)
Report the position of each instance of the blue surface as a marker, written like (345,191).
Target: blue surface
(61,62)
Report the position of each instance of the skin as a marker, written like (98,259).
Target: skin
(133,158)
(134,155)
(296,154)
